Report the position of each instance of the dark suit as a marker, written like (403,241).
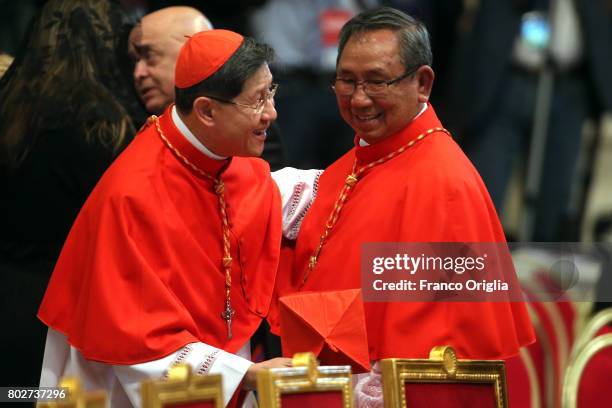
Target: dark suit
(492,103)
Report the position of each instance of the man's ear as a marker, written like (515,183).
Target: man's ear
(203,110)
(425,77)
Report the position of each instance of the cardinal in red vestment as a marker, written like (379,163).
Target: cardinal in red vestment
(173,257)
(405,180)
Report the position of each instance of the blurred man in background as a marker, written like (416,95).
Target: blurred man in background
(154,46)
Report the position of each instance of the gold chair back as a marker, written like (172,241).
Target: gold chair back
(576,369)
(599,320)
(76,397)
(182,387)
(443,372)
(305,384)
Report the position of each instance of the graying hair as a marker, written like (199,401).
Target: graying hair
(415,47)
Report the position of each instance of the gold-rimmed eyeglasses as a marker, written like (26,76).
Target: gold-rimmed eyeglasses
(258,107)
(372,88)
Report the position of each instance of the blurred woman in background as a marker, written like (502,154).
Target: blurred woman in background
(66,112)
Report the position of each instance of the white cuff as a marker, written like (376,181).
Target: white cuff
(203,359)
(298,190)
(233,368)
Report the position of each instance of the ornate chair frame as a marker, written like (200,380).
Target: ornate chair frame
(304,377)
(441,367)
(576,367)
(76,397)
(595,324)
(181,386)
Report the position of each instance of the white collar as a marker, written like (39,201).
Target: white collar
(363,143)
(184,130)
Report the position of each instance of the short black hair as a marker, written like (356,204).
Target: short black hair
(228,81)
(415,47)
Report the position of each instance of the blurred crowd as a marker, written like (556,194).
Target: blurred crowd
(516,80)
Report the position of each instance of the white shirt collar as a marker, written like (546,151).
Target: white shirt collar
(184,130)
(363,143)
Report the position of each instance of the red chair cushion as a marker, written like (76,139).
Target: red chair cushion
(313,399)
(202,404)
(519,388)
(430,395)
(596,380)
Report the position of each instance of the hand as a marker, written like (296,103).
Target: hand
(250,378)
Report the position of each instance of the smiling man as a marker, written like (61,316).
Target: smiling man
(405,180)
(173,257)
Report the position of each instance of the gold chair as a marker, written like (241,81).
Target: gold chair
(522,378)
(547,354)
(76,397)
(594,325)
(597,354)
(305,384)
(182,389)
(444,381)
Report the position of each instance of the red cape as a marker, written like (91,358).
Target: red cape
(140,274)
(429,193)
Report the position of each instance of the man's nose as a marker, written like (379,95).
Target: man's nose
(360,98)
(269,112)
(140,70)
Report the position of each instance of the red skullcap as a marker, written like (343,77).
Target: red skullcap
(203,54)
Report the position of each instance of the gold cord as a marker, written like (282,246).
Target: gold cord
(349,184)
(219,189)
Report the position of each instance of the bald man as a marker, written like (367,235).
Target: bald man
(154,47)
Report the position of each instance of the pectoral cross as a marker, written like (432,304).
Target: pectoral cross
(227,315)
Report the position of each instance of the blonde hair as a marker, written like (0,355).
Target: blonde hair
(5,62)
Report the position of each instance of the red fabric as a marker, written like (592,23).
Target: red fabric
(203,54)
(536,350)
(285,264)
(202,404)
(604,330)
(568,314)
(331,21)
(140,274)
(327,399)
(550,350)
(429,193)
(238,398)
(517,379)
(562,303)
(329,324)
(596,379)
(430,395)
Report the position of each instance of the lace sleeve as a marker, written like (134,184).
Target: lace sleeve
(298,190)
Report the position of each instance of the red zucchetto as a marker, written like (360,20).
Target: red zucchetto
(203,54)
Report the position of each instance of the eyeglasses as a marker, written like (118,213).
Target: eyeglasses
(258,107)
(373,88)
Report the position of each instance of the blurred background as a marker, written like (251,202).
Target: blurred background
(523,85)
